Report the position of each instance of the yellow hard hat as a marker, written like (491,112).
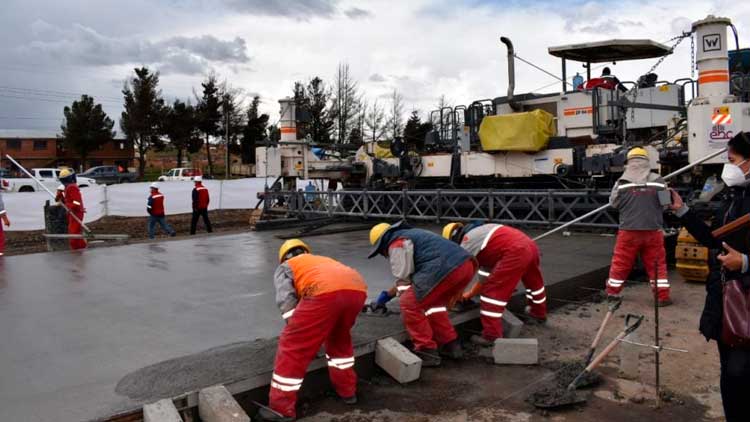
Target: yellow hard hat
(289,245)
(637,152)
(378,231)
(449,228)
(66,172)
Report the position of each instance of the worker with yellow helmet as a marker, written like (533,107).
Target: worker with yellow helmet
(430,273)
(320,299)
(641,198)
(74,202)
(506,257)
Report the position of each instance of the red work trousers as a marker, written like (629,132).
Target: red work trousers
(650,245)
(74,227)
(427,321)
(327,318)
(519,263)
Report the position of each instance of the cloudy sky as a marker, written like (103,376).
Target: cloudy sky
(53,51)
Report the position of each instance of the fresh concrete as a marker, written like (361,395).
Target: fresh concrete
(511,325)
(516,351)
(161,411)
(216,404)
(395,359)
(87,335)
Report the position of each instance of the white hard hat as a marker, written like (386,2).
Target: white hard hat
(154,185)
(61,187)
(198,178)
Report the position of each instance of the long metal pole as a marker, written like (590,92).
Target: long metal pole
(49,192)
(657,350)
(605,206)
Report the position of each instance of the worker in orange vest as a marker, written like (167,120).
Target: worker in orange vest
(74,202)
(319,298)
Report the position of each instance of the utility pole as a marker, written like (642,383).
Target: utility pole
(226,116)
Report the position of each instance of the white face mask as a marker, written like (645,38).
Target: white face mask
(733,175)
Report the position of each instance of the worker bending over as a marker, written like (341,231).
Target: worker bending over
(640,197)
(430,272)
(320,299)
(506,256)
(74,203)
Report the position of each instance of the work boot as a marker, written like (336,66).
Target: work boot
(481,341)
(430,358)
(664,302)
(349,400)
(269,416)
(452,350)
(531,319)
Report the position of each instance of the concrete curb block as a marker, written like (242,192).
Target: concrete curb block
(161,411)
(216,404)
(395,359)
(516,351)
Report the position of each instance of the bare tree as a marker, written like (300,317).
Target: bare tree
(396,114)
(346,103)
(375,122)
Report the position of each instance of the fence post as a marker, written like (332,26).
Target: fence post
(106,201)
(221,192)
(550,208)
(330,202)
(404,204)
(491,203)
(365,203)
(439,206)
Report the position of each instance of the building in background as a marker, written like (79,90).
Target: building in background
(35,149)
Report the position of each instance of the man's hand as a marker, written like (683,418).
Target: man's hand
(677,201)
(731,259)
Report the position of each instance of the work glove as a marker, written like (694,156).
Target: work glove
(378,305)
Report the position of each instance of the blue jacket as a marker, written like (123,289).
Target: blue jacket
(434,257)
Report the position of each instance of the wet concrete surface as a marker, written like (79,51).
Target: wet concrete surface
(85,335)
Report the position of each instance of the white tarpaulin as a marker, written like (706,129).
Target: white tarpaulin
(26,210)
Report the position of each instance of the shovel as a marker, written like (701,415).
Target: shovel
(612,307)
(558,397)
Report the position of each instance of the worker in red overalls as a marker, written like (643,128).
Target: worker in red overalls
(506,257)
(430,272)
(74,203)
(200,205)
(640,196)
(320,299)
(6,222)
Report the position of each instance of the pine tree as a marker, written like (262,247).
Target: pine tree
(254,132)
(142,120)
(209,115)
(86,127)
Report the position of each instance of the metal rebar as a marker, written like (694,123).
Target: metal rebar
(657,350)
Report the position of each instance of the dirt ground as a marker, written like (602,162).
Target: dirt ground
(475,389)
(222,221)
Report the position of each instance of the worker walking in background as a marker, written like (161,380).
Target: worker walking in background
(320,299)
(5,222)
(506,256)
(200,205)
(156,214)
(640,196)
(430,273)
(74,203)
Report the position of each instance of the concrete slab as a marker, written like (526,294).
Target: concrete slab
(87,335)
(216,404)
(516,351)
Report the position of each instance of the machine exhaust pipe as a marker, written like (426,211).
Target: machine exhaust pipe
(511,73)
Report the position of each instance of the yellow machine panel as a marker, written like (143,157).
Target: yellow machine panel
(692,257)
(527,132)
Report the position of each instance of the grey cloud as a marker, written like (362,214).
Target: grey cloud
(377,77)
(298,9)
(85,46)
(605,27)
(357,13)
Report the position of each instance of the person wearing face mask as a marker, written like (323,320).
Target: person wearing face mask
(640,196)
(733,261)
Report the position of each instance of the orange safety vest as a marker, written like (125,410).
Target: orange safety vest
(316,275)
